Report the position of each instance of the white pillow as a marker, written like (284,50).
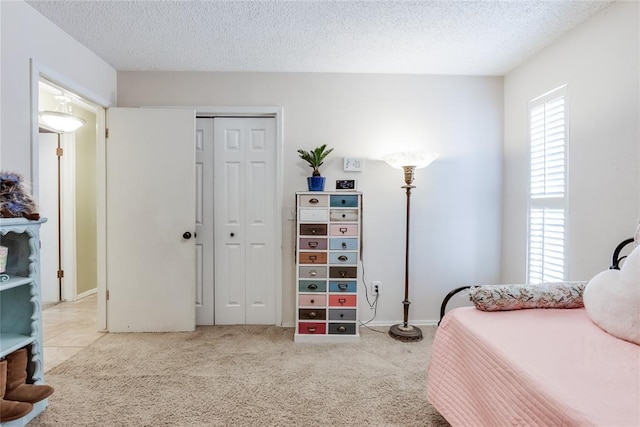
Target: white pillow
(612,299)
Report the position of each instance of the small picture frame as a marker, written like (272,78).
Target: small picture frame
(353,164)
(346,185)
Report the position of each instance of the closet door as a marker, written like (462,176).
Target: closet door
(150,220)
(244,209)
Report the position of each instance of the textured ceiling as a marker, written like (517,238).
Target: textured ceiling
(425,37)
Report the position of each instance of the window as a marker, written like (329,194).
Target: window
(548,185)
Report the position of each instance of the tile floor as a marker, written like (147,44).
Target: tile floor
(67,328)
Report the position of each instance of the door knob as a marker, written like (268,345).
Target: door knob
(186,235)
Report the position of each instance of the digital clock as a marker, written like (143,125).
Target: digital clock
(346,184)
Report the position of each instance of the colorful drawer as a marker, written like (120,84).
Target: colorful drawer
(312,286)
(312,215)
(312,300)
(342,328)
(313,229)
(343,272)
(344,201)
(317,328)
(312,314)
(343,215)
(343,244)
(342,300)
(314,244)
(343,229)
(342,314)
(314,272)
(314,258)
(349,286)
(343,258)
(312,200)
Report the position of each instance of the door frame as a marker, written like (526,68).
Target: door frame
(277,113)
(38,71)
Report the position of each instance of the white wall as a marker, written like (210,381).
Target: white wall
(26,34)
(599,62)
(456,205)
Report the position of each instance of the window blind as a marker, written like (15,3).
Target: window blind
(548,149)
(546,245)
(548,178)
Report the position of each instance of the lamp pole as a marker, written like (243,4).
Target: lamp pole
(406,332)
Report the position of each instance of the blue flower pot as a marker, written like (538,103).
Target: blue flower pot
(315,183)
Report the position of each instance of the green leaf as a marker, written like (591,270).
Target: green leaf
(315,157)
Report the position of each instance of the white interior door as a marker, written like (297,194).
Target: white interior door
(244,209)
(48,208)
(150,205)
(204,222)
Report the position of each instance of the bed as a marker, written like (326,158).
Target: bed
(532,367)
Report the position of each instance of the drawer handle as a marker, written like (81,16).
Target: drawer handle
(342,286)
(313,258)
(312,286)
(313,315)
(313,244)
(313,273)
(342,329)
(342,258)
(342,300)
(344,215)
(344,201)
(312,230)
(343,230)
(312,301)
(314,201)
(342,273)
(311,329)
(341,314)
(344,245)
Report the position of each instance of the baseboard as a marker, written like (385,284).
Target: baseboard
(87,293)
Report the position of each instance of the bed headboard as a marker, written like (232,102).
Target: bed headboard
(617,258)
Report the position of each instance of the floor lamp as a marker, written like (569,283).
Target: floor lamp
(409,162)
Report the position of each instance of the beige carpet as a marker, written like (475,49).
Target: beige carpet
(242,376)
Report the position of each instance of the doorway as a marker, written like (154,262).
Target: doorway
(237,217)
(67,198)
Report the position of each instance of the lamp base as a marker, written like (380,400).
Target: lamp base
(410,333)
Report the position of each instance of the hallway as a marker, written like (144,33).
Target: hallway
(69,327)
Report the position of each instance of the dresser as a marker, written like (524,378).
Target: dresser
(20,305)
(328,242)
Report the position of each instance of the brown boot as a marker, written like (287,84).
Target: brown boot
(17,387)
(10,410)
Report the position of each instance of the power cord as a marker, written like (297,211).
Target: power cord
(372,305)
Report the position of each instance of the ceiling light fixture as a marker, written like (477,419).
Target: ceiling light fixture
(61,120)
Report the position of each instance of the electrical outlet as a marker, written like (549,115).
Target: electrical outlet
(375,287)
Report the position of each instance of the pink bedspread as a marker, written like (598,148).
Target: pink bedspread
(534,367)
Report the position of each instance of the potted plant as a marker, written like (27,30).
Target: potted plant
(315,158)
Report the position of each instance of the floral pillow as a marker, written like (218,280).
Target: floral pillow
(517,297)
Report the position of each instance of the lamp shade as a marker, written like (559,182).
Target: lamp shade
(417,159)
(61,120)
